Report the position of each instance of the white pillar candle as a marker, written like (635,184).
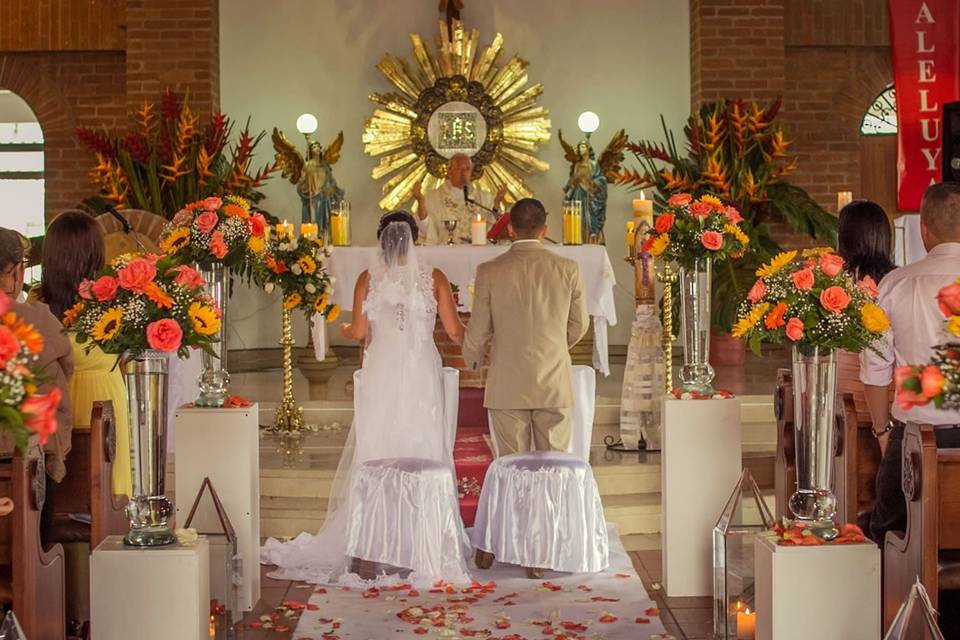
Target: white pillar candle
(478,231)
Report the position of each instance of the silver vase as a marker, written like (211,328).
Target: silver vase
(148,509)
(696,374)
(214,382)
(814,401)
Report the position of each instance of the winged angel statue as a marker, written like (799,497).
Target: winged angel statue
(589,178)
(314,177)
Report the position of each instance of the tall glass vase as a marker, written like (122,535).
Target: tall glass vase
(696,374)
(148,509)
(814,400)
(214,382)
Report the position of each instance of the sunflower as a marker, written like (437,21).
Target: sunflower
(256,244)
(292,301)
(737,233)
(659,244)
(108,325)
(779,262)
(204,319)
(237,200)
(307,264)
(874,319)
(71,314)
(321,303)
(712,201)
(750,320)
(175,240)
(953,325)
(815,252)
(334,313)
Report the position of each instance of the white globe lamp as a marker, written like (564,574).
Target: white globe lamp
(588,122)
(307,123)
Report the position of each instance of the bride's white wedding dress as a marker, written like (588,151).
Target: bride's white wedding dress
(399,413)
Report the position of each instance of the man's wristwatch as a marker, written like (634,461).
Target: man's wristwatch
(886,429)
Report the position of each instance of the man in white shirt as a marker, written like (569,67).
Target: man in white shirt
(908,296)
(447,202)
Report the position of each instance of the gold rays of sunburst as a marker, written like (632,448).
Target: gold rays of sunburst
(516,124)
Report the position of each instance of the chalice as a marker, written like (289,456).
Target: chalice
(451,226)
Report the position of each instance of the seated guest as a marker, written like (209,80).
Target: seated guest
(56,364)
(908,295)
(865,242)
(73,252)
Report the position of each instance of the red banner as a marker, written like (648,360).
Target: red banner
(925,39)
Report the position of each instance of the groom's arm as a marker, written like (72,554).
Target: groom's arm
(577,321)
(480,327)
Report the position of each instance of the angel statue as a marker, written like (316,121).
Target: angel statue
(589,178)
(314,177)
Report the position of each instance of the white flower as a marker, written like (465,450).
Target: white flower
(295,268)
(332,279)
(268,287)
(310,288)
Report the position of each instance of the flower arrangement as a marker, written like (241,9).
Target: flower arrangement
(215,230)
(168,159)
(809,300)
(693,394)
(798,534)
(687,230)
(939,381)
(22,410)
(142,302)
(296,267)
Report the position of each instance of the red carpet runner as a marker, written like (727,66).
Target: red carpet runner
(471,454)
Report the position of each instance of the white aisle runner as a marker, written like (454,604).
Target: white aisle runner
(504,604)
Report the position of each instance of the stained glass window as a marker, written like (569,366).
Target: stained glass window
(881,118)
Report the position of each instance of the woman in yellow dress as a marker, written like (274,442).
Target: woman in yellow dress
(73,251)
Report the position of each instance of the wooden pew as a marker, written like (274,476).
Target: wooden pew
(930,546)
(36,578)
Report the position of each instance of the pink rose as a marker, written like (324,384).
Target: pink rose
(867,287)
(712,240)
(902,374)
(181,218)
(701,209)
(794,329)
(105,288)
(84,289)
(206,221)
(907,400)
(9,346)
(834,299)
(41,414)
(212,204)
(679,200)
(931,381)
(188,277)
(831,264)
(5,303)
(258,224)
(949,299)
(803,279)
(733,216)
(137,274)
(218,246)
(164,335)
(757,291)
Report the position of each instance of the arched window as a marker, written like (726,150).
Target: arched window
(881,117)
(21,169)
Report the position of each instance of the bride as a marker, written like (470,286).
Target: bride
(398,414)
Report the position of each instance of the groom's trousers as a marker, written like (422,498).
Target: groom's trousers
(515,429)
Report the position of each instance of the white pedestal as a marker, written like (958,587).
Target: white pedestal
(224,445)
(828,591)
(700,466)
(149,593)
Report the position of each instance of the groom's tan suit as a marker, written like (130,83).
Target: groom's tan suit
(528,303)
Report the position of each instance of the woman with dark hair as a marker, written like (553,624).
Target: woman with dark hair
(73,251)
(399,415)
(865,240)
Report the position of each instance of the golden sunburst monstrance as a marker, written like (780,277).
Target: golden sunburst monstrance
(456,101)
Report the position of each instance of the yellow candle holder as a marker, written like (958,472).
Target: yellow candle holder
(340,224)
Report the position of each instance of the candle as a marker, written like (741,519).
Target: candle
(478,231)
(308,230)
(843,199)
(284,231)
(630,237)
(339,231)
(746,625)
(643,208)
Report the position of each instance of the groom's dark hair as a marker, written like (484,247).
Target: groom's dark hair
(527,217)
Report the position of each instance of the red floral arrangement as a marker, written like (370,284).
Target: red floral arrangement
(794,533)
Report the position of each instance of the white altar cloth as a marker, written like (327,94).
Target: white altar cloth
(459,263)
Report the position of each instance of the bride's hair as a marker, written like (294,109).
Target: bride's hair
(399,216)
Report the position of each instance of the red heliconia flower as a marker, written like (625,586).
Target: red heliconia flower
(170,105)
(216,135)
(772,110)
(97,141)
(138,147)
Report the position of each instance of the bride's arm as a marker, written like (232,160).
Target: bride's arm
(357,329)
(446,307)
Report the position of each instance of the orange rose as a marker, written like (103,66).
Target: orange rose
(831,264)
(700,209)
(664,222)
(136,275)
(803,279)
(679,200)
(712,240)
(834,299)
(757,291)
(931,381)
(774,319)
(218,246)
(794,329)
(164,335)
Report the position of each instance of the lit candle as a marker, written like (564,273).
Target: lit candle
(306,229)
(643,209)
(843,199)
(478,231)
(746,625)
(284,231)
(630,237)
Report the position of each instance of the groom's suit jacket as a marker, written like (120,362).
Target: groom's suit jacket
(528,303)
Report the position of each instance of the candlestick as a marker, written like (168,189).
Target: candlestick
(843,199)
(478,231)
(746,625)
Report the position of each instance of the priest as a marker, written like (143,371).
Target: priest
(455,199)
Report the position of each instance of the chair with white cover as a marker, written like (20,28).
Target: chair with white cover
(542,509)
(404,511)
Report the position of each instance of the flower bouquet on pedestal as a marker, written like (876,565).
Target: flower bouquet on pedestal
(808,300)
(695,234)
(215,236)
(939,380)
(23,411)
(144,308)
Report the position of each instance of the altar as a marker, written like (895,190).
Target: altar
(459,263)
